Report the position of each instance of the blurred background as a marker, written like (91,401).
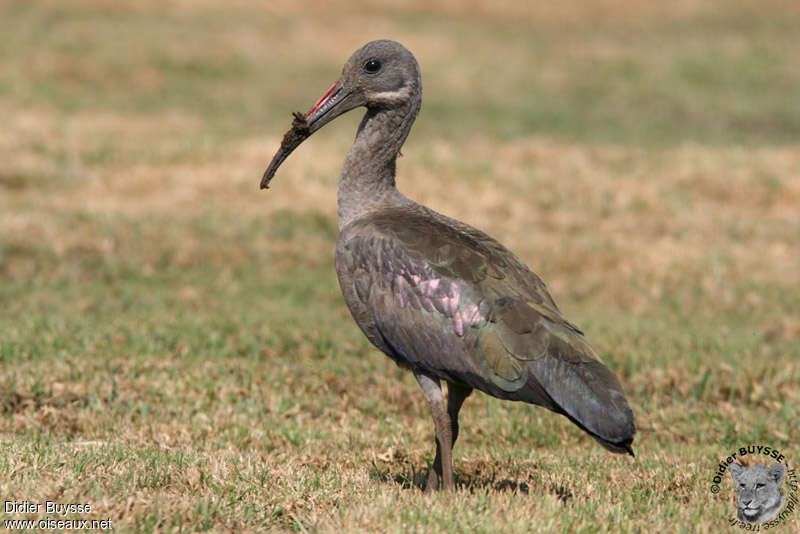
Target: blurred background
(642,157)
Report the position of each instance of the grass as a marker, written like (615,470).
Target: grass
(173,346)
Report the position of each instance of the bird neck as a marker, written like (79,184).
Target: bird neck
(367,183)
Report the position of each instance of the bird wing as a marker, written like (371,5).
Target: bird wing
(437,295)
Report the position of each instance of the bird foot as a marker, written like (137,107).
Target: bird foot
(433,482)
(436,483)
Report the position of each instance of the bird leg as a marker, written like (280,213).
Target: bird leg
(456,395)
(443,468)
(446,428)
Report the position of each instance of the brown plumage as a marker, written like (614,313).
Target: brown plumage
(437,296)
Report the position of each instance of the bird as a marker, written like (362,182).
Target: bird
(437,296)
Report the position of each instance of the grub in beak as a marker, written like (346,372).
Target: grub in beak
(334,102)
(298,133)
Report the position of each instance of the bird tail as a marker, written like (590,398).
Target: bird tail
(588,394)
(532,354)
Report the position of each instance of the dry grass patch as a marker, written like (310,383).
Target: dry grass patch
(173,345)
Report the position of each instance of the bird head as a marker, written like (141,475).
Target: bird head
(380,75)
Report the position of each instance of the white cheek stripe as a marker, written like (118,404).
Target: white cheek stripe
(392,96)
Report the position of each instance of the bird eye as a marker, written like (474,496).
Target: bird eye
(372,66)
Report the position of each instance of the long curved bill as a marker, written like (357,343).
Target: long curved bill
(333,103)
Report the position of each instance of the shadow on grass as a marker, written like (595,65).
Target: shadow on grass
(412,478)
(13,401)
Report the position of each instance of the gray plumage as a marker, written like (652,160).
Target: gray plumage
(437,296)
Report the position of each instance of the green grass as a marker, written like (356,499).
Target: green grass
(174,349)
(719,78)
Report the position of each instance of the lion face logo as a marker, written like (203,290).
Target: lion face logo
(758,491)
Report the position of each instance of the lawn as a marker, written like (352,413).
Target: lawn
(174,349)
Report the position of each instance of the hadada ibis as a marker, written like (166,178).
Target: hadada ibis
(437,296)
